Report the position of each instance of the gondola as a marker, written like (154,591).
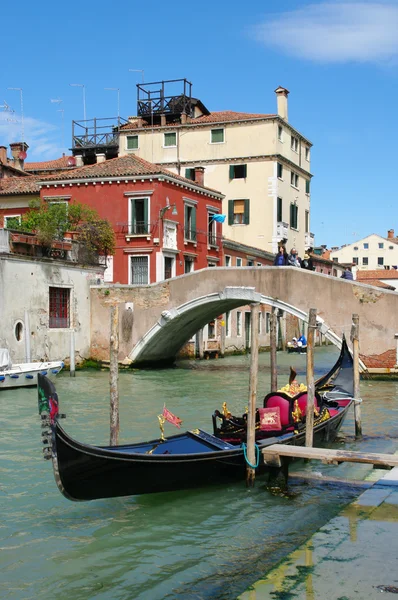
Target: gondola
(187,460)
(296,349)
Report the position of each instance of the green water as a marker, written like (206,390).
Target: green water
(209,543)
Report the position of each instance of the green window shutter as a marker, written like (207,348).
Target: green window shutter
(170,139)
(146,215)
(190,174)
(246,215)
(307,186)
(132,142)
(194,223)
(291,215)
(244,171)
(217,136)
(132,222)
(230,212)
(231,171)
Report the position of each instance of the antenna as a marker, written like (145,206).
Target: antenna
(22,120)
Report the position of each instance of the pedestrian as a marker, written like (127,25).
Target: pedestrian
(347,274)
(307,263)
(281,257)
(293,259)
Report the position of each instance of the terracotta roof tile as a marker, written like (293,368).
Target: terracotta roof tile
(224,116)
(123,166)
(58,163)
(363,275)
(19,185)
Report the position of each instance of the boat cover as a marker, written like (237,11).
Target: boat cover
(5,360)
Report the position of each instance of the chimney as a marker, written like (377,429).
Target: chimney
(183,118)
(3,155)
(281,99)
(18,152)
(199,175)
(390,232)
(163,120)
(79,160)
(100,158)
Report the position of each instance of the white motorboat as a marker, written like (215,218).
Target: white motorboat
(24,374)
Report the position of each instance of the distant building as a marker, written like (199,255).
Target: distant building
(384,278)
(370,253)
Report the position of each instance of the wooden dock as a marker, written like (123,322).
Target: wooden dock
(273,454)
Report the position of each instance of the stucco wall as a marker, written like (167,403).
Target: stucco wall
(24,286)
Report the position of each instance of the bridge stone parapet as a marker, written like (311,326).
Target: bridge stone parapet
(156,320)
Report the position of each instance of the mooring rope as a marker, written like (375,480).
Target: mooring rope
(257,456)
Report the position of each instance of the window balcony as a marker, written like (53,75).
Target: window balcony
(282,230)
(309,240)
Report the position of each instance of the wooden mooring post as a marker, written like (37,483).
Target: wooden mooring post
(251,417)
(114,375)
(273,353)
(309,427)
(357,393)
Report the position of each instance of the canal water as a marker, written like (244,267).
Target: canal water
(209,543)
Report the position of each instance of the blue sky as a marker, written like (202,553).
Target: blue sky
(338,59)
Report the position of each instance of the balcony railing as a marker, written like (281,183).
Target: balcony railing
(282,230)
(190,235)
(309,240)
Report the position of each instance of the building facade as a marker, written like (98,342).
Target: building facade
(370,253)
(260,162)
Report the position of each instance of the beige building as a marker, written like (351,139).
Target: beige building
(370,253)
(259,161)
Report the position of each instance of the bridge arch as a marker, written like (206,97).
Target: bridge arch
(177,325)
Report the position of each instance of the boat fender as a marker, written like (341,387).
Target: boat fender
(2,378)
(29,376)
(14,376)
(257,456)
(54,371)
(43,372)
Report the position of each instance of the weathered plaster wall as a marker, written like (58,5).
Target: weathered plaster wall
(24,286)
(335,299)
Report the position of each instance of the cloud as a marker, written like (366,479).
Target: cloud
(42,138)
(335,33)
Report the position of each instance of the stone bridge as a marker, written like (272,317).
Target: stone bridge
(156,320)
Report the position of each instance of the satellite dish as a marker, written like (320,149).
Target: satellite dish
(71,161)
(22,155)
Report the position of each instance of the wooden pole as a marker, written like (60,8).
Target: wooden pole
(309,427)
(273,342)
(251,417)
(72,372)
(28,357)
(357,393)
(114,376)
(282,329)
(223,326)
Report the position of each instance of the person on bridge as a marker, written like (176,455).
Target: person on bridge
(347,274)
(281,257)
(307,263)
(293,259)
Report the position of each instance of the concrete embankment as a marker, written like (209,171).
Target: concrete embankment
(354,556)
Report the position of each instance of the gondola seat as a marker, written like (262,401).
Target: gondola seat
(302,402)
(285,404)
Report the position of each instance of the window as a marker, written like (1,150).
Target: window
(211,330)
(188,265)
(132,142)
(227,261)
(217,136)
(335,259)
(307,221)
(59,303)
(228,324)
(168,267)
(250,263)
(279,170)
(365,260)
(238,323)
(170,140)
(307,186)
(294,179)
(190,223)
(279,210)
(280,133)
(355,247)
(139,270)
(138,218)
(366,245)
(294,143)
(267,321)
(237,171)
(259,322)
(11,221)
(294,216)
(381,245)
(238,212)
(211,264)
(211,230)
(380,261)
(355,260)
(190,174)
(307,153)
(391,247)
(238,262)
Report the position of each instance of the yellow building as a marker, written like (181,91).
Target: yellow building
(259,161)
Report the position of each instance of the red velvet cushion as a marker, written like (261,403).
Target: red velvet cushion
(270,419)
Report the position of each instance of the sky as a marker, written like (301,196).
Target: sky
(339,59)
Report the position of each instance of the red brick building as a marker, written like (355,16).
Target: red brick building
(163,222)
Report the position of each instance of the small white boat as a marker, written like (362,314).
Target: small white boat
(24,374)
